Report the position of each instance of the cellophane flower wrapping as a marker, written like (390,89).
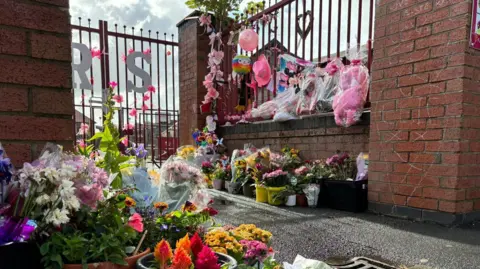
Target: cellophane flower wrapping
(327,86)
(238,159)
(265,111)
(180,181)
(362,167)
(7,171)
(139,178)
(52,188)
(309,89)
(304,263)
(286,104)
(352,91)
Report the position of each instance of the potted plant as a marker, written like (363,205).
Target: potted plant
(345,189)
(275,182)
(96,237)
(207,170)
(239,176)
(189,253)
(288,194)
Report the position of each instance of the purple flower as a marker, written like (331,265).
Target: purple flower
(139,152)
(255,251)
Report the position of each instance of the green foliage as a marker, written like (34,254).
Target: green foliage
(113,160)
(92,236)
(220,8)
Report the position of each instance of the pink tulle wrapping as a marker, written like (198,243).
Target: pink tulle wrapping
(351,95)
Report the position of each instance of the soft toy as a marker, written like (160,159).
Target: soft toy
(242,64)
(351,94)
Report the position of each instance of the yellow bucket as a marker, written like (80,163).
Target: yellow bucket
(262,194)
(272,191)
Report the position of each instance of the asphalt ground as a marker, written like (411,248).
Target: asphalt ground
(335,236)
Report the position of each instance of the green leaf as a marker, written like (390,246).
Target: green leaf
(117,259)
(95,137)
(44,249)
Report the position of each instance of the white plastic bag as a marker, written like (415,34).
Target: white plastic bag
(265,111)
(286,103)
(304,263)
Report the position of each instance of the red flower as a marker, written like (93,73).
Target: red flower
(206,259)
(196,244)
(211,211)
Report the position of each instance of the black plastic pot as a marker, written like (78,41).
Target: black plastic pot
(235,188)
(146,262)
(248,190)
(345,195)
(23,255)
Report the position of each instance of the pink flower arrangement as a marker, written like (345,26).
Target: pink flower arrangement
(89,194)
(135,221)
(275,174)
(130,51)
(123,58)
(144,107)
(255,251)
(301,171)
(146,97)
(147,52)
(133,112)
(113,84)
(81,143)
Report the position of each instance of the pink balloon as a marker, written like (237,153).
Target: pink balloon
(248,40)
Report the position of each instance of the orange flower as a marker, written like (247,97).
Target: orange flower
(161,205)
(184,243)
(181,260)
(163,253)
(130,202)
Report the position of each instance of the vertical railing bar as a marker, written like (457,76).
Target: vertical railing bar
(329,30)
(339,26)
(173,94)
(312,31)
(370,33)
(144,114)
(296,29)
(126,79)
(289,26)
(166,95)
(304,38)
(159,103)
(151,99)
(92,117)
(359,30)
(83,90)
(320,33)
(274,17)
(135,93)
(349,22)
(120,114)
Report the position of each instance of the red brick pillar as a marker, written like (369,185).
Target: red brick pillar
(425,125)
(193,50)
(36,104)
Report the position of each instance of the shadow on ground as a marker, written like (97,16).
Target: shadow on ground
(336,236)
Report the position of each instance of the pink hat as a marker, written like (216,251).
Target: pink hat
(262,71)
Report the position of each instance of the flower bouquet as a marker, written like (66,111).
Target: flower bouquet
(179,182)
(6,173)
(189,253)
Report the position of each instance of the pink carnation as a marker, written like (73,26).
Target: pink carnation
(135,221)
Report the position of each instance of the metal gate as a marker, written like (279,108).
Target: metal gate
(156,122)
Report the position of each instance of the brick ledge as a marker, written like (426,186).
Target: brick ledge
(325,120)
(443,218)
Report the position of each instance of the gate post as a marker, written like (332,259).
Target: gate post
(193,51)
(36,103)
(425,121)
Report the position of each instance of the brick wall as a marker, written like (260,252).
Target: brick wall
(316,137)
(36,104)
(425,94)
(193,51)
